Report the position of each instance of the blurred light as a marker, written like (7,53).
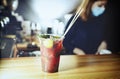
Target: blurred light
(51,9)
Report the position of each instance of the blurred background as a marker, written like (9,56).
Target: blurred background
(21,20)
(47,14)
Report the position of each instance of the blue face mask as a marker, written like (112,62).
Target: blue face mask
(98,10)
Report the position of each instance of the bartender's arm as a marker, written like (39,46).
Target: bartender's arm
(78,51)
(102,49)
(102,46)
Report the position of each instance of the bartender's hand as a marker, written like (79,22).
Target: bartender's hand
(102,49)
(78,51)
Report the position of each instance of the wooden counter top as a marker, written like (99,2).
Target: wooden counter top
(71,67)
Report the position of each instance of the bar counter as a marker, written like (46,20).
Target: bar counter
(71,67)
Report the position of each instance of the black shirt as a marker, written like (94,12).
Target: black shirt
(86,35)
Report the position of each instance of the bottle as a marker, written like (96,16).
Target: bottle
(49,30)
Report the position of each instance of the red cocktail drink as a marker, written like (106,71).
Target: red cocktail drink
(50,47)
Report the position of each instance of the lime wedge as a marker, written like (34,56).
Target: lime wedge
(48,43)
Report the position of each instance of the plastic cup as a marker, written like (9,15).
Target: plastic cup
(50,47)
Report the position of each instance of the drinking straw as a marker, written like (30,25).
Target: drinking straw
(78,12)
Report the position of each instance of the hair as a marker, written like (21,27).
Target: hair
(87,11)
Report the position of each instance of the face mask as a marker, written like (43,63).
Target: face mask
(98,10)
